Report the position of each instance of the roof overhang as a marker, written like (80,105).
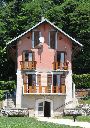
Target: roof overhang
(45,20)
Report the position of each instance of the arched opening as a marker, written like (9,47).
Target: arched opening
(44,108)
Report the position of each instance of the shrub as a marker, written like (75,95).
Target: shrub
(1,95)
(5,86)
(82,81)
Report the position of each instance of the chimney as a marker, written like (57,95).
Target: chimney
(42,18)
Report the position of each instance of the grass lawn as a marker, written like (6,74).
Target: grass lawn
(79,118)
(26,122)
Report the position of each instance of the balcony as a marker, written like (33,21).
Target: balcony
(44,89)
(61,66)
(30,65)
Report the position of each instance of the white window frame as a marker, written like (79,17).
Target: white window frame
(40,35)
(56,39)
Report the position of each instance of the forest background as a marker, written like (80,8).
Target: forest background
(72,16)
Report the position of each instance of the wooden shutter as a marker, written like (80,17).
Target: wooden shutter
(33,56)
(23,56)
(38,79)
(49,80)
(25,78)
(36,38)
(52,39)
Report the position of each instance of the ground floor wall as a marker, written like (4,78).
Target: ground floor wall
(57,104)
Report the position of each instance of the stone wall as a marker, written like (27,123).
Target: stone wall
(14,112)
(82,92)
(80,110)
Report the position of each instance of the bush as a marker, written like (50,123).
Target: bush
(82,81)
(1,95)
(5,86)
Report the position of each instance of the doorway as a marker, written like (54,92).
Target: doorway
(47,109)
(44,109)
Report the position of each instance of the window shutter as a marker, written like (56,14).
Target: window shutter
(25,79)
(38,79)
(33,56)
(23,56)
(32,39)
(49,39)
(56,40)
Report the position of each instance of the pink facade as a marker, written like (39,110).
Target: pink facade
(45,56)
(44,70)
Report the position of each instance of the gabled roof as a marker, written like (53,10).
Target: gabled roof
(44,20)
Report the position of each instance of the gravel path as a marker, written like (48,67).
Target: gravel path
(65,122)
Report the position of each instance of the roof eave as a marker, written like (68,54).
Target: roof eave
(38,25)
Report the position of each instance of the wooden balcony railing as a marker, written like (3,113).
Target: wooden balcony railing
(44,89)
(28,65)
(61,66)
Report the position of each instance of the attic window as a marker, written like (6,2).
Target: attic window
(53,39)
(35,38)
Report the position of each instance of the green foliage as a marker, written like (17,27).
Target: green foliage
(84,100)
(1,94)
(72,16)
(25,122)
(8,85)
(82,81)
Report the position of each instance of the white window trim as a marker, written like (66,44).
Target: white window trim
(40,35)
(56,39)
(49,39)
(33,39)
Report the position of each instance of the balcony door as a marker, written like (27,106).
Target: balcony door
(56,80)
(27,56)
(30,56)
(56,83)
(60,57)
(31,79)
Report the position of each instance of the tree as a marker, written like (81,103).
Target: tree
(72,16)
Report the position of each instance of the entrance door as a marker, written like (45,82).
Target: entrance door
(47,109)
(44,109)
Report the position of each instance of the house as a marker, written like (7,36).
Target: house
(44,69)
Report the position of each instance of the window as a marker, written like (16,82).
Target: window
(40,106)
(56,80)
(35,38)
(27,56)
(29,79)
(61,57)
(53,39)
